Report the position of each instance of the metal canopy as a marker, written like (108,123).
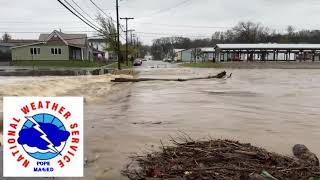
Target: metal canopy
(268,46)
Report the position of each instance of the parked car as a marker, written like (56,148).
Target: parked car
(137,62)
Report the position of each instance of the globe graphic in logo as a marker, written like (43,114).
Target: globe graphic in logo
(43,136)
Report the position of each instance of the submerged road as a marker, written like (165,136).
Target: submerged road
(274,109)
(271,108)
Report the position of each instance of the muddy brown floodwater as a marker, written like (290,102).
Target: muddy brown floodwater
(274,109)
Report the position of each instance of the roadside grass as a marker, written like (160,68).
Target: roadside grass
(123,65)
(202,65)
(49,63)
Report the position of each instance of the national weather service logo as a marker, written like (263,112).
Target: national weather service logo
(43,137)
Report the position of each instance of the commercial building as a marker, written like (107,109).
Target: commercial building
(267,52)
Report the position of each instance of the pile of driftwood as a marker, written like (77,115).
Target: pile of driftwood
(221,159)
(218,76)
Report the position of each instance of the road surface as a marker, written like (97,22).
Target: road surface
(155,65)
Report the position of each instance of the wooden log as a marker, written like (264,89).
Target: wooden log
(218,76)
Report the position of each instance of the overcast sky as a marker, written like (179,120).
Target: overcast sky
(156,18)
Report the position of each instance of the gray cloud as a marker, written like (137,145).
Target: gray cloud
(46,15)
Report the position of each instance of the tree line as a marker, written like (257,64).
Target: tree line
(243,32)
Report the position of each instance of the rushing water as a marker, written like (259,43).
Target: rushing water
(10,80)
(274,109)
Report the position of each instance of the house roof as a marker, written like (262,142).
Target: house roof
(6,44)
(268,46)
(76,40)
(96,39)
(178,50)
(19,42)
(71,39)
(203,49)
(208,49)
(25,45)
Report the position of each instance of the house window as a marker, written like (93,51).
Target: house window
(34,50)
(56,51)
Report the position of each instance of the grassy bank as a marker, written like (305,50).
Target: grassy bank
(202,65)
(123,65)
(58,63)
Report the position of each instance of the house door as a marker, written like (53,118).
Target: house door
(76,54)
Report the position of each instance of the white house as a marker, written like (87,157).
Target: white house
(99,44)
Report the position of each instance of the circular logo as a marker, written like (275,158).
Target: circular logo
(43,136)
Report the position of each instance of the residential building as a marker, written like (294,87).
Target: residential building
(100,46)
(55,46)
(178,54)
(186,55)
(5,52)
(5,47)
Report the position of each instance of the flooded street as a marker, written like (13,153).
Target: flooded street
(274,109)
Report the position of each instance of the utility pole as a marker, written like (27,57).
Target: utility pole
(131,35)
(127,18)
(137,43)
(133,40)
(118,35)
(131,44)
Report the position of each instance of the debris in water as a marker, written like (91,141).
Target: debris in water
(303,153)
(218,76)
(142,123)
(218,159)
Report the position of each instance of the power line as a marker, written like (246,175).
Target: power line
(81,14)
(168,8)
(154,33)
(82,10)
(71,38)
(100,9)
(189,26)
(138,32)
(77,16)
(173,7)
(110,17)
(36,32)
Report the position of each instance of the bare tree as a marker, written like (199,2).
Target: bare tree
(246,32)
(290,30)
(6,37)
